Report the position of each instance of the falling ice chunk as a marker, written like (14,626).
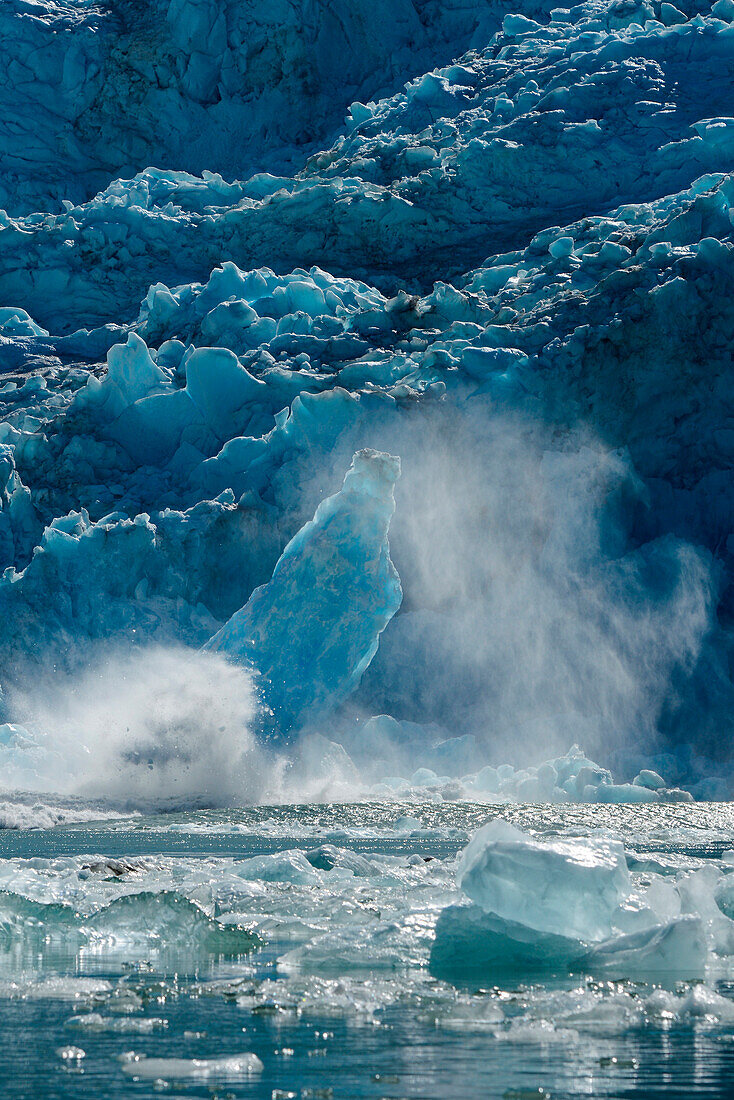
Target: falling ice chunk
(314,628)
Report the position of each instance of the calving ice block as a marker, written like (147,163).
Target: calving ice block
(313,629)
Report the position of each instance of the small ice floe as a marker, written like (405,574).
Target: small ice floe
(176,1069)
(71,1055)
(94,1021)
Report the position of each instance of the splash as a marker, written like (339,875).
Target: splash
(164,724)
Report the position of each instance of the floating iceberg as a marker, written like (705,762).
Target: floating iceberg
(561,887)
(679,948)
(471,943)
(565,905)
(573,777)
(178,1069)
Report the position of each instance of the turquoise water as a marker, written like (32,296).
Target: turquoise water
(205,935)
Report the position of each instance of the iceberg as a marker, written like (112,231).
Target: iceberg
(678,948)
(569,904)
(561,887)
(313,629)
(231,1066)
(471,944)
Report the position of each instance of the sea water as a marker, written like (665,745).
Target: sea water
(148,955)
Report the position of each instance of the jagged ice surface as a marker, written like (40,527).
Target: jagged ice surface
(512,272)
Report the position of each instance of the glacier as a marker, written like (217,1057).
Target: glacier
(367,548)
(493,241)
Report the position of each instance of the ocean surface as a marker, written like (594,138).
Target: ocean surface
(302,935)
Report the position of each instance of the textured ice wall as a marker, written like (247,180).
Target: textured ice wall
(546,122)
(91,92)
(529,254)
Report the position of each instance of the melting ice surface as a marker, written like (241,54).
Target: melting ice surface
(366,449)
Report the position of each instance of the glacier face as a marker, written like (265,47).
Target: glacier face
(513,271)
(470,159)
(208,86)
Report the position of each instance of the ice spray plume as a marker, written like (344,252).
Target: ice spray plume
(150,726)
(181,725)
(530,618)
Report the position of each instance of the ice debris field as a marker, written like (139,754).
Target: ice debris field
(367,548)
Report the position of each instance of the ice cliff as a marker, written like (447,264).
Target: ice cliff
(204,84)
(242,243)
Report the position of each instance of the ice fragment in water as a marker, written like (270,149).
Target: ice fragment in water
(567,887)
(678,948)
(71,1054)
(471,943)
(650,779)
(174,1069)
